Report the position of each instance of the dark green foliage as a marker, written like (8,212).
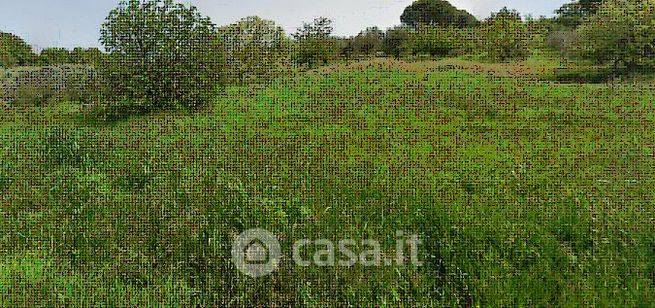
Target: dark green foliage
(63,146)
(161,54)
(573,14)
(366,43)
(42,86)
(436,12)
(622,33)
(314,44)
(30,94)
(88,56)
(505,14)
(256,50)
(506,36)
(14,51)
(397,42)
(443,41)
(584,74)
(55,56)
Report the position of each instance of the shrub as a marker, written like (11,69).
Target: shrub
(14,51)
(34,95)
(442,41)
(368,42)
(82,85)
(162,54)
(42,86)
(397,42)
(63,147)
(314,45)
(583,74)
(506,36)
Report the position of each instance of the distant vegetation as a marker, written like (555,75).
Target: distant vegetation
(599,39)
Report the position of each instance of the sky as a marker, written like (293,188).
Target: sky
(73,23)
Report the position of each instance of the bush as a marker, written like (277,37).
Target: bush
(161,53)
(42,86)
(397,42)
(14,51)
(506,36)
(63,147)
(34,95)
(443,41)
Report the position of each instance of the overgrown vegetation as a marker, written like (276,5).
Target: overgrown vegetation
(514,147)
(549,189)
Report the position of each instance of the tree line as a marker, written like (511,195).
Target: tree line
(159,53)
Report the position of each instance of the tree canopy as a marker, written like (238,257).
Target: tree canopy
(14,51)
(573,14)
(506,36)
(314,43)
(436,12)
(162,53)
(255,49)
(622,32)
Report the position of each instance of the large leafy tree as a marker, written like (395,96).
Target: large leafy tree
(506,36)
(257,49)
(315,45)
(14,51)
(436,12)
(397,41)
(622,32)
(574,13)
(161,53)
(368,41)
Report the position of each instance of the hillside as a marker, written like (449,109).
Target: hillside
(524,191)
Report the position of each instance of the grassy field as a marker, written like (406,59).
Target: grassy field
(525,192)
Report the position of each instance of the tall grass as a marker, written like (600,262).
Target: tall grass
(525,193)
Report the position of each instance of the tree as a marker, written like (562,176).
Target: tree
(622,33)
(397,42)
(436,12)
(161,54)
(368,41)
(88,56)
(506,36)
(505,14)
(431,40)
(55,56)
(315,44)
(14,51)
(256,49)
(572,14)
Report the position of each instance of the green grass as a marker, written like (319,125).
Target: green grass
(526,193)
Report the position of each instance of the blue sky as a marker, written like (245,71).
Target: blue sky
(71,23)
